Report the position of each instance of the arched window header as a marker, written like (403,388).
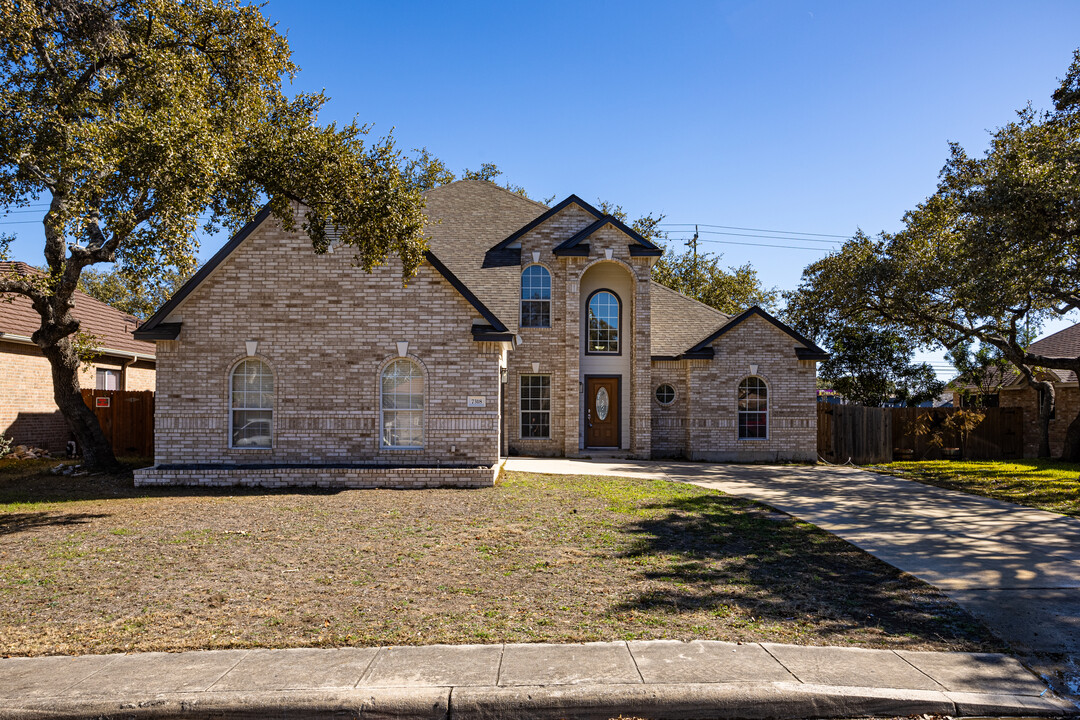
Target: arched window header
(535,297)
(251,402)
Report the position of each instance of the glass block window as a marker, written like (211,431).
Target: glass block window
(603,323)
(753,409)
(665,394)
(402,405)
(536,406)
(536,297)
(252,403)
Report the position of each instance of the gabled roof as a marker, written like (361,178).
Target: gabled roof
(157,329)
(809,351)
(112,326)
(678,322)
(540,220)
(153,328)
(640,247)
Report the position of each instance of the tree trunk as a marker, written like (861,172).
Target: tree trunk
(1071,450)
(95,448)
(1045,394)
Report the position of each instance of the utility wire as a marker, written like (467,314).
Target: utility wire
(768,245)
(733,227)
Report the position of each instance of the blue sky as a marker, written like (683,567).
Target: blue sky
(807,117)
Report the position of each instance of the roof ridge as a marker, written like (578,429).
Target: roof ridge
(492,184)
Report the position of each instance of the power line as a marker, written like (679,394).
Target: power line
(770,237)
(733,227)
(767,245)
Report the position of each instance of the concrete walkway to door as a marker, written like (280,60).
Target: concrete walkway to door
(1017,569)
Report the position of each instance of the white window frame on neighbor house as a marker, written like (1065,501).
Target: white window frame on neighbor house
(545,379)
(544,300)
(740,412)
(395,412)
(264,401)
(102,377)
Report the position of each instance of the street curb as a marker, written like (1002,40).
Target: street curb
(732,701)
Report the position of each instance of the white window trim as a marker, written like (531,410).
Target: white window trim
(231,410)
(768,405)
(522,301)
(423,409)
(521,425)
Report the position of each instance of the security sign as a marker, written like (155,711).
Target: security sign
(102,401)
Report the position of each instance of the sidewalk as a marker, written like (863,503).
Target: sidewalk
(657,679)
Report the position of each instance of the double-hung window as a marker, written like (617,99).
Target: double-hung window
(536,297)
(536,406)
(402,405)
(252,404)
(753,409)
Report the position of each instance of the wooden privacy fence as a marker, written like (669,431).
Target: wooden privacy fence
(875,435)
(126,417)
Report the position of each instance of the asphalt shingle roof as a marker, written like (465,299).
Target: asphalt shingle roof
(473,216)
(113,327)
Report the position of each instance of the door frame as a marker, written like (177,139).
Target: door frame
(618,419)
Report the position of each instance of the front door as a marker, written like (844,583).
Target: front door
(602,412)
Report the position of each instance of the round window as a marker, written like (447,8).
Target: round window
(665,394)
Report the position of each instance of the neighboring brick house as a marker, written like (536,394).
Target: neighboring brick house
(28,413)
(528,330)
(1014,392)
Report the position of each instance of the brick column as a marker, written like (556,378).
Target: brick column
(572,397)
(641,366)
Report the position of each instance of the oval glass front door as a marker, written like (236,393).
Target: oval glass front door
(602,404)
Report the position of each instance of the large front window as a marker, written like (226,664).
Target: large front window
(402,405)
(753,409)
(252,401)
(603,323)
(536,297)
(535,406)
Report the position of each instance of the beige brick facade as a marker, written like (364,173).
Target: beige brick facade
(326,329)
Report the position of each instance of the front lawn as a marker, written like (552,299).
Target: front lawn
(1045,484)
(92,564)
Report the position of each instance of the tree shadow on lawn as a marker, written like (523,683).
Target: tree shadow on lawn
(733,557)
(11,523)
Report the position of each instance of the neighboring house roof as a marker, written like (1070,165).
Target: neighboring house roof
(110,325)
(1062,344)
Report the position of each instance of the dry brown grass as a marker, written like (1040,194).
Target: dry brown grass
(91,565)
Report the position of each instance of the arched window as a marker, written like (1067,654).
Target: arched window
(402,405)
(536,297)
(252,404)
(603,323)
(753,409)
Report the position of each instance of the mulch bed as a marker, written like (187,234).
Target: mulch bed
(94,565)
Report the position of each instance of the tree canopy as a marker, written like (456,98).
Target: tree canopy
(138,120)
(991,254)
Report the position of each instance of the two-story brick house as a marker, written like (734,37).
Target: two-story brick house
(529,330)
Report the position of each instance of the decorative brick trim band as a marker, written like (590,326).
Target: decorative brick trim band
(341,476)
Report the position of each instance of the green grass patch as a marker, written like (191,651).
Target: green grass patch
(1045,484)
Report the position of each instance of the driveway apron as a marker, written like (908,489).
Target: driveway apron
(1017,569)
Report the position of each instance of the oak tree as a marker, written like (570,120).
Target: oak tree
(133,119)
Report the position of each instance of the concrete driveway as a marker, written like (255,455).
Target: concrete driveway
(1015,568)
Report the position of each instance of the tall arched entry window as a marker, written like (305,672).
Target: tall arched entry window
(402,405)
(251,401)
(603,328)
